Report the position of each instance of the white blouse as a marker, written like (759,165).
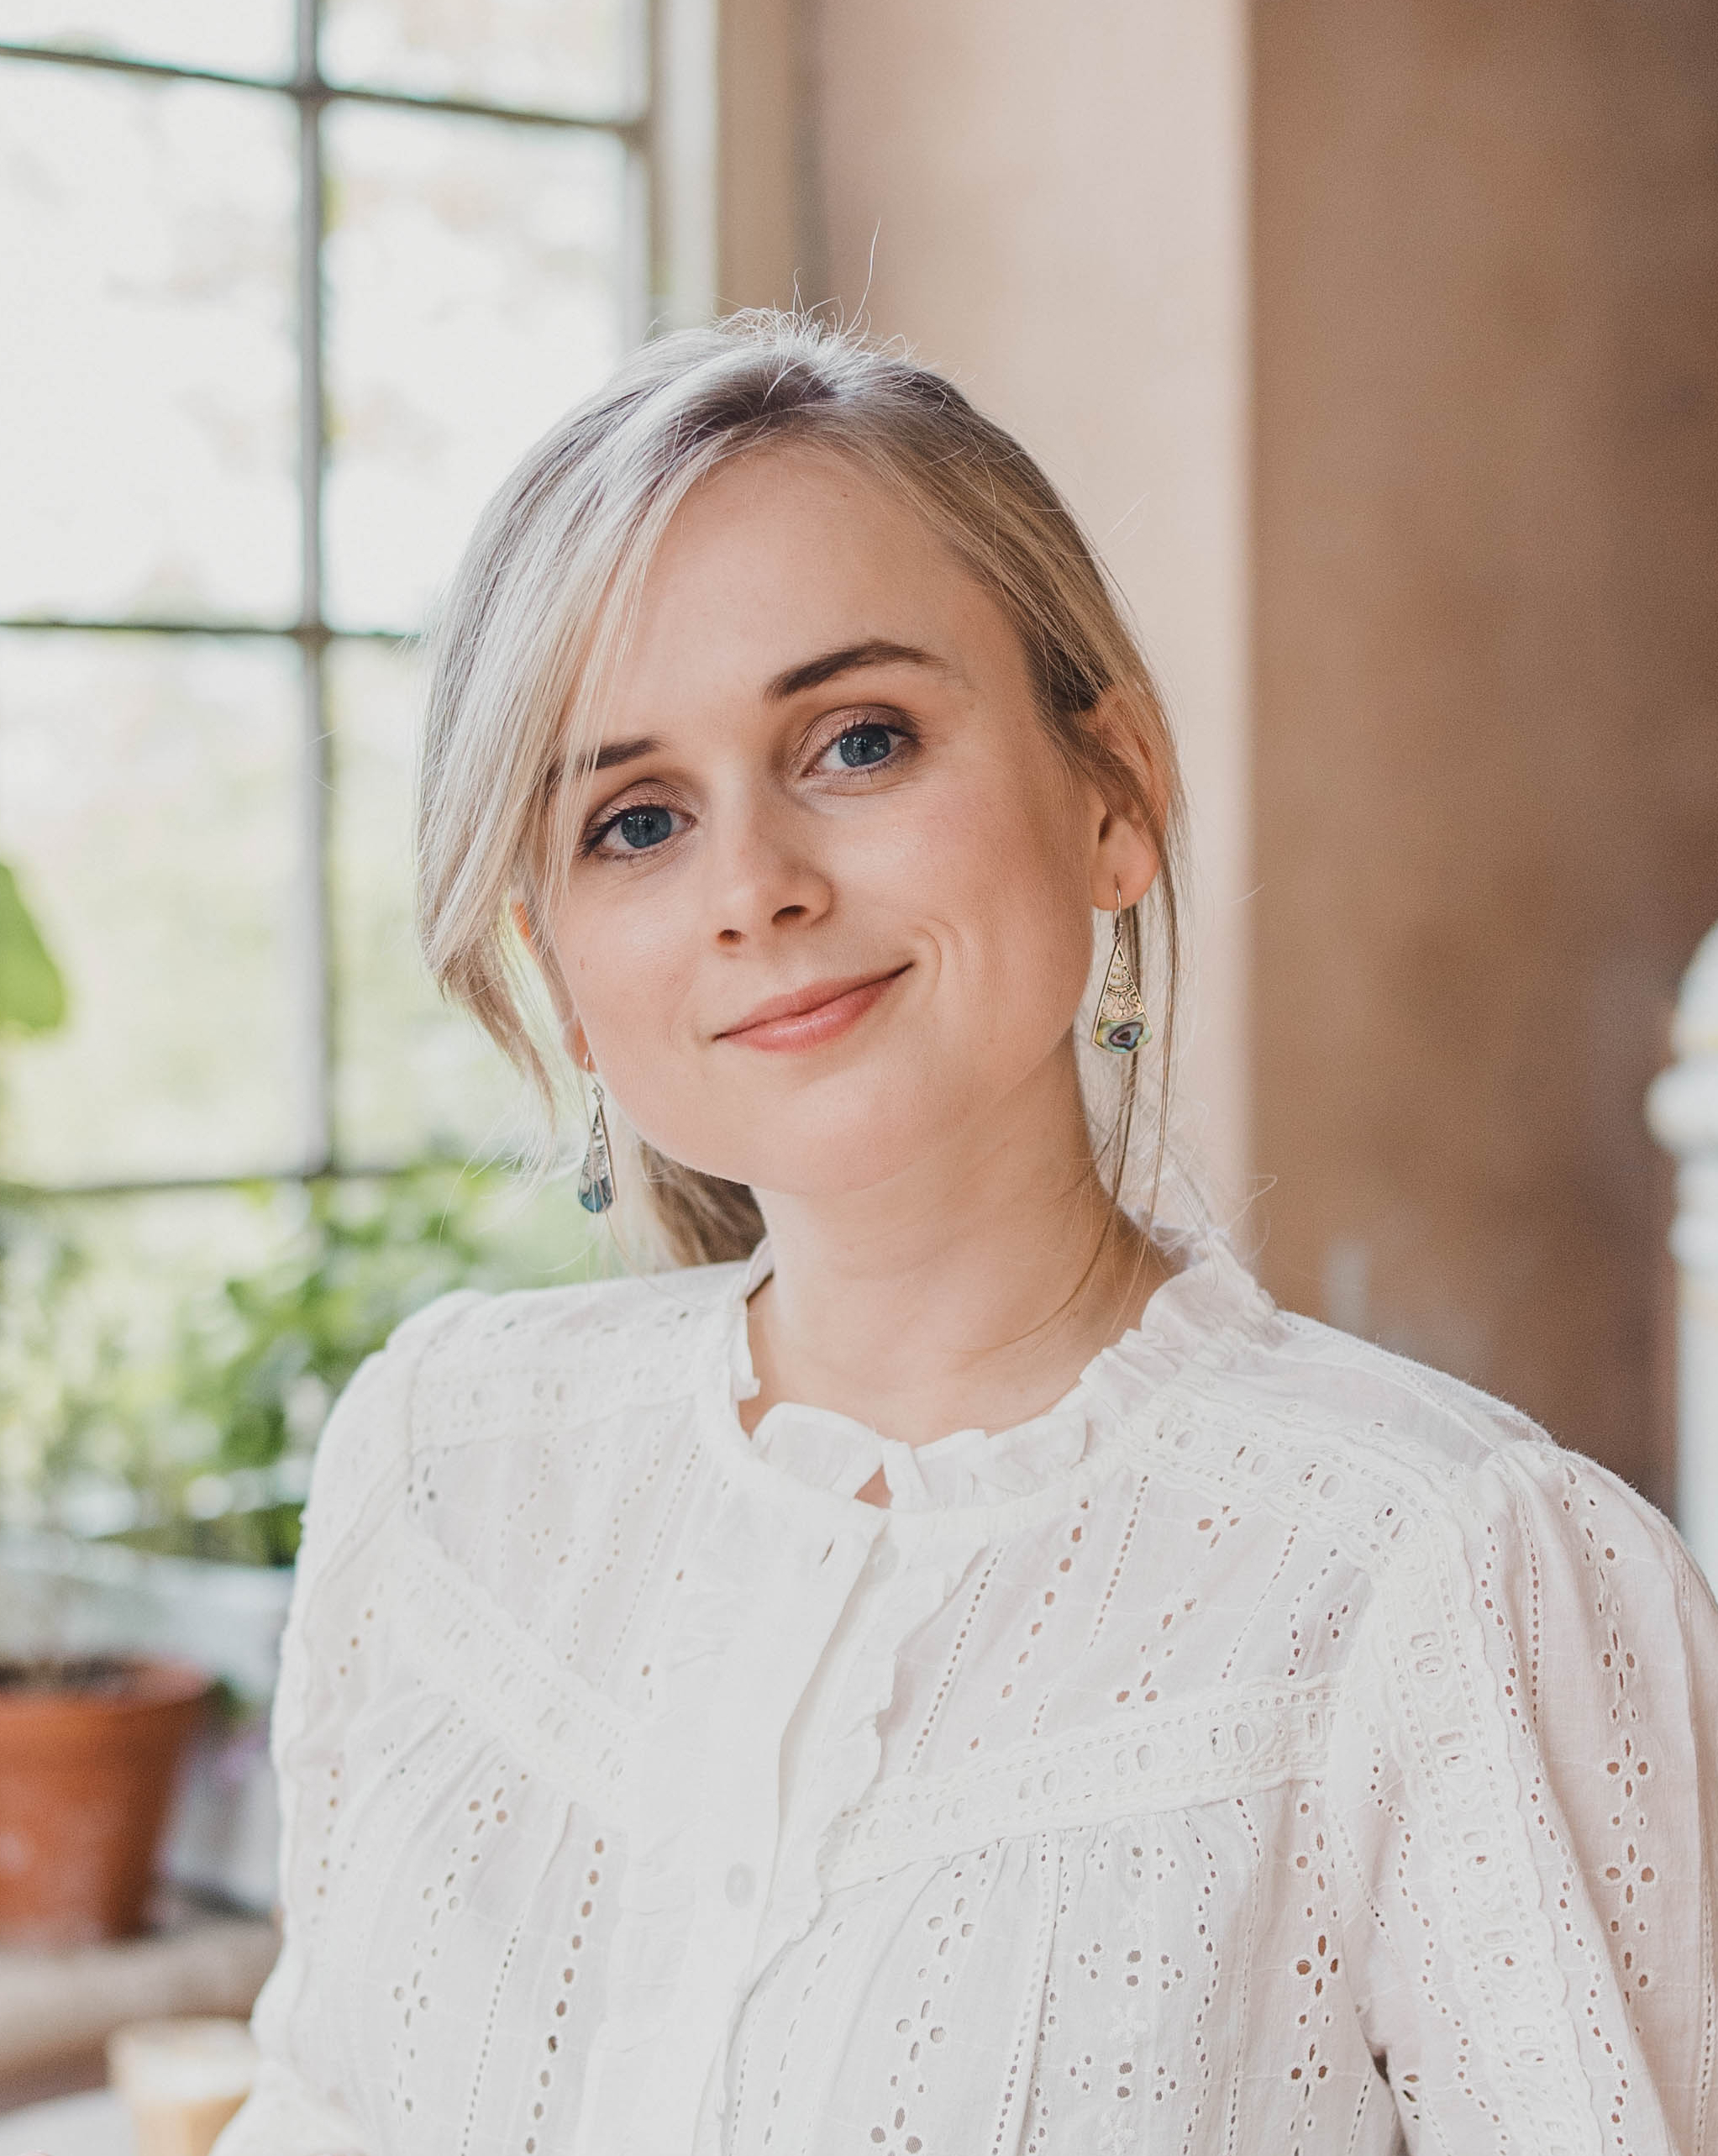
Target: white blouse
(1275,1746)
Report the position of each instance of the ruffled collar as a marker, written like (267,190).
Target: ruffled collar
(1205,1301)
(833,1452)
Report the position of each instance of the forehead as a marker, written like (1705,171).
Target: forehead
(787,552)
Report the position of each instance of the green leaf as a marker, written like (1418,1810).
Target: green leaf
(32,994)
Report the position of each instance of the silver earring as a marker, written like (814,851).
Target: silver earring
(597,1175)
(1120,1023)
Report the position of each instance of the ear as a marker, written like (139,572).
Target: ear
(1124,855)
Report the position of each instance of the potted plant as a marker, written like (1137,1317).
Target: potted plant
(90,1745)
(156,1431)
(90,1752)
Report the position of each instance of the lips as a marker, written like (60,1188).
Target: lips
(805,1017)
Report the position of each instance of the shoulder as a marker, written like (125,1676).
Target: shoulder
(1468,1538)
(1381,1453)
(584,1349)
(1462,1455)
(459,1365)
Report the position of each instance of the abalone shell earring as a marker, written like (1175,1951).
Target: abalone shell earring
(597,1175)
(1120,1023)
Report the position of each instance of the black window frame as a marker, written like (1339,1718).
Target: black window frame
(310,94)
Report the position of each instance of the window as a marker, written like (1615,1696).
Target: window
(289,286)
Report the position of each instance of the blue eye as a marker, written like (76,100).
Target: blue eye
(639,827)
(865,745)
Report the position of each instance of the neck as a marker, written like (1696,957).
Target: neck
(993,1271)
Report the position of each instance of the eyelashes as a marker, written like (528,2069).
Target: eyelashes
(864,747)
(641,827)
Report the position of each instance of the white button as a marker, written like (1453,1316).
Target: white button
(883,1561)
(741,1885)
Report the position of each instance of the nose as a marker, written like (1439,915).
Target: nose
(763,875)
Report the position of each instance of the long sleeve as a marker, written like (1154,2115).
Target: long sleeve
(1524,1798)
(298,2107)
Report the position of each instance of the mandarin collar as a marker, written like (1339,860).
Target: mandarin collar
(829,1451)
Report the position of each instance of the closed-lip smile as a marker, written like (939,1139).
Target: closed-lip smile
(807,1017)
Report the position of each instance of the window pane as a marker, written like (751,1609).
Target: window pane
(148,434)
(475,275)
(544,56)
(148,791)
(414,1074)
(236,37)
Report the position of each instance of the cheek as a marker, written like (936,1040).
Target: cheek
(625,971)
(998,879)
(629,990)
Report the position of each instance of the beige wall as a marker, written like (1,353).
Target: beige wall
(1050,203)
(1486,299)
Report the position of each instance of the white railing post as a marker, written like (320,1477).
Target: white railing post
(1682,1109)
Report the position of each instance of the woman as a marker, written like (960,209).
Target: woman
(962,1672)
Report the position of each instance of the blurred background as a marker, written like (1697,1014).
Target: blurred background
(1372,340)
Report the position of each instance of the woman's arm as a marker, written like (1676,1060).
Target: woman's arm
(302,2105)
(1525,1801)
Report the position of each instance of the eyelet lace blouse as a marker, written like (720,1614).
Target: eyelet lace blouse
(1276,1746)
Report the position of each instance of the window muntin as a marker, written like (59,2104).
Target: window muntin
(231,37)
(289,333)
(547,55)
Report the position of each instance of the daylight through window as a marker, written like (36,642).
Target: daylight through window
(289,289)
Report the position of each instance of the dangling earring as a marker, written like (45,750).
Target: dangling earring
(597,1176)
(1120,1021)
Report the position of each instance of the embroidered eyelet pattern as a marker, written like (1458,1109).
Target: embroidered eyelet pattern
(1308,1769)
(1218,1745)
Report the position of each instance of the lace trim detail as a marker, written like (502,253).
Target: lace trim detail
(1471,1796)
(1353,1488)
(1227,1743)
(460,1640)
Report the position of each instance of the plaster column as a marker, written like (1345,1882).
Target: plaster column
(1682,1111)
(1050,204)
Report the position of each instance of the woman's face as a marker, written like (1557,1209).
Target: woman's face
(831,908)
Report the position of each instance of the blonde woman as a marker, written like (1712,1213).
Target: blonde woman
(945,1666)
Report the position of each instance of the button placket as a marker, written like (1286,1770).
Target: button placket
(838,1566)
(792,1602)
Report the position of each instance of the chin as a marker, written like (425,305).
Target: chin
(845,1132)
(819,1171)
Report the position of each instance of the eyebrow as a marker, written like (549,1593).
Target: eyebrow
(809,673)
(623,752)
(876,651)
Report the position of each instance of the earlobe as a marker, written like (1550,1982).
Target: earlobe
(1125,858)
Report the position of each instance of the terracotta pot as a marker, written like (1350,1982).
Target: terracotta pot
(85,1779)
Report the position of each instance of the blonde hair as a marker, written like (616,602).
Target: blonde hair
(540,610)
